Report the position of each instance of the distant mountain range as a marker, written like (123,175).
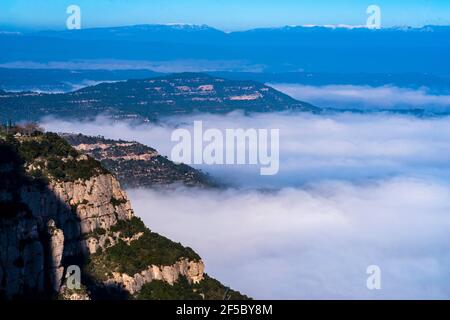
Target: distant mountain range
(150,99)
(310,49)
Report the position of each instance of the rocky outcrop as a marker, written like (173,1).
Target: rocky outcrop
(136,165)
(108,240)
(192,270)
(79,207)
(98,202)
(56,246)
(53,227)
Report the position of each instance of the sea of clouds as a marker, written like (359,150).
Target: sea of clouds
(352,191)
(367,97)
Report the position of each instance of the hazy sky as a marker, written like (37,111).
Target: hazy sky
(223,14)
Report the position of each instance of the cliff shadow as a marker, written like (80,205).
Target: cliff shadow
(40,235)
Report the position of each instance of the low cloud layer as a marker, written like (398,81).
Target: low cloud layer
(316,242)
(353,191)
(312,148)
(366,97)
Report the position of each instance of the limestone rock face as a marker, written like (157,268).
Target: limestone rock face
(56,253)
(105,241)
(192,270)
(99,202)
(52,226)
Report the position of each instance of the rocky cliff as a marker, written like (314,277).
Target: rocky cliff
(61,210)
(136,165)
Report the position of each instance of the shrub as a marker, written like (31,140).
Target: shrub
(49,144)
(214,290)
(117,202)
(160,290)
(128,228)
(61,158)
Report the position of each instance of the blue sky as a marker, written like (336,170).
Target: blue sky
(223,14)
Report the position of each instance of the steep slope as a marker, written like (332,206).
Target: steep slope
(60,208)
(151,99)
(136,165)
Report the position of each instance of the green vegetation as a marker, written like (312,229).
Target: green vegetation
(46,145)
(160,290)
(207,289)
(128,228)
(212,289)
(58,157)
(72,169)
(150,249)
